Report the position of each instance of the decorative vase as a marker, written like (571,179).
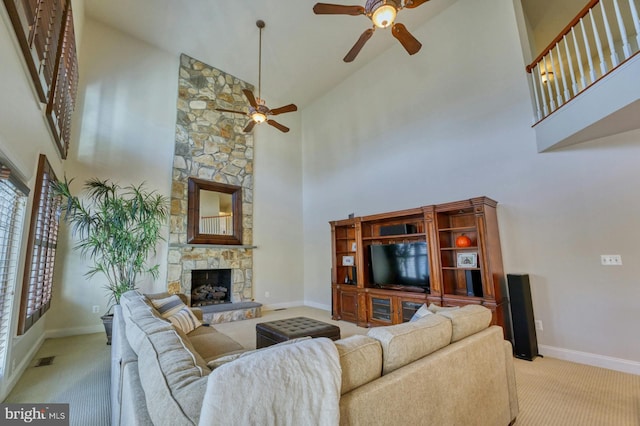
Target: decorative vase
(107,321)
(463,241)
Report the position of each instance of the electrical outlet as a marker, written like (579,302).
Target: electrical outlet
(538,325)
(95,309)
(267,294)
(611,259)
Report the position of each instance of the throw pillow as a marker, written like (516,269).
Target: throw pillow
(168,306)
(185,320)
(173,309)
(422,312)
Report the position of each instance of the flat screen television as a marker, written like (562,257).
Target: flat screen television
(403,264)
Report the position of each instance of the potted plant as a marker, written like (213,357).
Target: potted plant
(118,228)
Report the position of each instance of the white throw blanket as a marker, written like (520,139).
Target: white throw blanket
(296,385)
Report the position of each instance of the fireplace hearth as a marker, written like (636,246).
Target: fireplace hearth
(210,287)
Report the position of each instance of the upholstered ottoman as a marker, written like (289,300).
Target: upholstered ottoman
(270,333)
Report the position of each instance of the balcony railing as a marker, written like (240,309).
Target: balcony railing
(605,34)
(216,225)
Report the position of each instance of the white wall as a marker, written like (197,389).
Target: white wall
(123,130)
(277,213)
(454,123)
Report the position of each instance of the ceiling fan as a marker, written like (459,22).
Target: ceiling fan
(259,112)
(383,14)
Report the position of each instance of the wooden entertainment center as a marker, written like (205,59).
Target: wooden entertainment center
(464,262)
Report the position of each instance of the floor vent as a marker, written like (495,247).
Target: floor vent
(44,361)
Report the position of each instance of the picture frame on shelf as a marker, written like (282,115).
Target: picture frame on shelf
(348,260)
(467,260)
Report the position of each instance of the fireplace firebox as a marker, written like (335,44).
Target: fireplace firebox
(210,287)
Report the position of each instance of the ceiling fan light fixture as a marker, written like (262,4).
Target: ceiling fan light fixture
(258,117)
(382,12)
(258,111)
(384,16)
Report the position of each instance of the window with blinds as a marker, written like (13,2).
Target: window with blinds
(13,199)
(45,33)
(41,249)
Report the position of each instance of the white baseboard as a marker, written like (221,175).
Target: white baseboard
(20,368)
(617,364)
(318,306)
(284,305)
(296,304)
(66,332)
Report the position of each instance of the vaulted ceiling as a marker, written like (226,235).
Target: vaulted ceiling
(302,52)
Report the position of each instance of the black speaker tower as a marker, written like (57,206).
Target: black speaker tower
(524,330)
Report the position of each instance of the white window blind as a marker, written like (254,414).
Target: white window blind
(13,199)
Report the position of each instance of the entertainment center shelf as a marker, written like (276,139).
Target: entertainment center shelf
(385,266)
(393,237)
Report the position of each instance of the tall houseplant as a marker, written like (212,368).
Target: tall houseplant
(118,228)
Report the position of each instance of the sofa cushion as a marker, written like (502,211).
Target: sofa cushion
(140,319)
(360,359)
(436,308)
(467,320)
(225,359)
(211,344)
(172,380)
(407,342)
(200,362)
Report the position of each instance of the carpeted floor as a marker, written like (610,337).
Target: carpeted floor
(550,392)
(554,392)
(78,375)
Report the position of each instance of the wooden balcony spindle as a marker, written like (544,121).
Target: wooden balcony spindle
(556,84)
(596,36)
(543,97)
(565,83)
(583,83)
(612,46)
(574,85)
(636,20)
(592,71)
(552,103)
(626,47)
(534,83)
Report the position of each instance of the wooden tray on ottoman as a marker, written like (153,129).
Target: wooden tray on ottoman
(270,333)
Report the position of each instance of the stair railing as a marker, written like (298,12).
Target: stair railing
(586,50)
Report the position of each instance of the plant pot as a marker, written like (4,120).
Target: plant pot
(107,321)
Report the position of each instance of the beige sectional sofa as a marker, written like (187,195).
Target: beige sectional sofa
(449,368)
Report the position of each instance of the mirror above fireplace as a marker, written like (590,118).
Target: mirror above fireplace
(215,213)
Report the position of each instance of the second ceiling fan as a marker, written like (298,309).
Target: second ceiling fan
(383,14)
(259,112)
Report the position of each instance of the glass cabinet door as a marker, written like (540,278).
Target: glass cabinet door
(381,309)
(409,308)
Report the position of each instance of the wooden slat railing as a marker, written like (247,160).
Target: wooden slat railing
(605,34)
(216,225)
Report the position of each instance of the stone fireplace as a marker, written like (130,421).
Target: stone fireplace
(211,146)
(210,287)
